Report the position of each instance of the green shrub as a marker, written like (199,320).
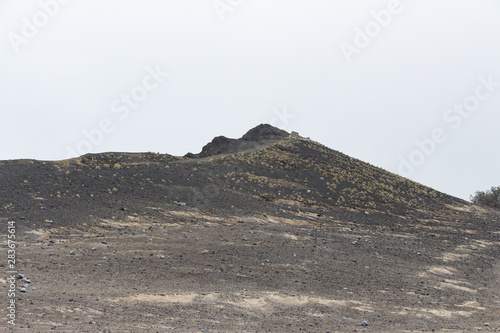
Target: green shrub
(490,198)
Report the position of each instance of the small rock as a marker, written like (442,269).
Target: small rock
(20,276)
(72,253)
(182,204)
(364,323)
(22,289)
(486,324)
(162,257)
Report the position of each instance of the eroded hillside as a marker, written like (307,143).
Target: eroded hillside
(277,234)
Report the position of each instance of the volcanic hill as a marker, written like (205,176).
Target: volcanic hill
(269,232)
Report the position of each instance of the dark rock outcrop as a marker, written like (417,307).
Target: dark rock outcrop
(254,138)
(265,132)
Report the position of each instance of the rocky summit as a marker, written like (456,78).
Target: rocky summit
(256,137)
(271,232)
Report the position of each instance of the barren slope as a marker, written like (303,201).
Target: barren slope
(281,235)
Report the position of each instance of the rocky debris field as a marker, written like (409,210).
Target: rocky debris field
(184,271)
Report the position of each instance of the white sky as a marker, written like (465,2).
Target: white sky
(264,63)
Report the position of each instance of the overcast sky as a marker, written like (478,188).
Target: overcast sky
(410,86)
